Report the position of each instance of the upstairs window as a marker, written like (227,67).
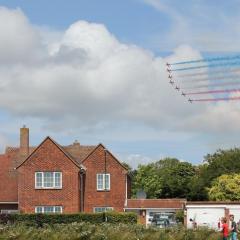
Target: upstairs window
(48,180)
(103,182)
(48,209)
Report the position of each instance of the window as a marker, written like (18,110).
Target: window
(103,182)
(102,209)
(48,209)
(48,180)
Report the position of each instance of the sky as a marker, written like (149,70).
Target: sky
(95,71)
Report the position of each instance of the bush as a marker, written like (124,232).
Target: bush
(41,219)
(102,231)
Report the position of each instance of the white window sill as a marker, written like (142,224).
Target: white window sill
(48,188)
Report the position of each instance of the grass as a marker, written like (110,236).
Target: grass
(104,231)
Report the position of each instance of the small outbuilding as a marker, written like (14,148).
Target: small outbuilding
(146,208)
(209,214)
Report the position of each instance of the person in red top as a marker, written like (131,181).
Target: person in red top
(224,228)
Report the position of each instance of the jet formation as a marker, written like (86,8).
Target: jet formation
(210,79)
(171,81)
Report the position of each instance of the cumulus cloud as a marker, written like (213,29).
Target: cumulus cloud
(134,160)
(85,76)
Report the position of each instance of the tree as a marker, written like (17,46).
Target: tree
(221,162)
(167,178)
(197,185)
(146,178)
(225,188)
(216,164)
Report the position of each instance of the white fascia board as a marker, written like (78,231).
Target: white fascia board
(213,206)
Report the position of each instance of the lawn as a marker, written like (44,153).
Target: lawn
(102,231)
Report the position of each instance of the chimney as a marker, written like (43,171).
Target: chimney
(24,141)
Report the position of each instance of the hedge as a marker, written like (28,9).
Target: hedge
(41,219)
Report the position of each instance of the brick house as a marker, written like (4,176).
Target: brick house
(55,178)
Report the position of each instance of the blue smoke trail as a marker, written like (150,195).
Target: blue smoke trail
(229,64)
(208,60)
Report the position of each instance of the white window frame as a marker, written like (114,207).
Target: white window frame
(43,209)
(104,209)
(104,187)
(54,184)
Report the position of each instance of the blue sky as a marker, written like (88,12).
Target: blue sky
(95,71)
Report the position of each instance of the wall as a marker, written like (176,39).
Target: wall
(209,215)
(115,198)
(48,157)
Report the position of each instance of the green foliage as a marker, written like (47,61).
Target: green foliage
(225,188)
(102,231)
(41,219)
(222,162)
(180,216)
(170,178)
(167,178)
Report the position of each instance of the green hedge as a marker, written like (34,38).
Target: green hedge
(41,219)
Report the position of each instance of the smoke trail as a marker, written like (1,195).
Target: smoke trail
(212,72)
(215,99)
(210,85)
(214,91)
(229,64)
(208,60)
(207,79)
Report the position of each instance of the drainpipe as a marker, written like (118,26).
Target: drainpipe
(105,172)
(81,190)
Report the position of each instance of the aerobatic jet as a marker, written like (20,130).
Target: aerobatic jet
(190,100)
(177,88)
(168,64)
(183,94)
(170,76)
(169,70)
(171,82)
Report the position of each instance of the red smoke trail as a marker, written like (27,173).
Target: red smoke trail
(216,99)
(214,91)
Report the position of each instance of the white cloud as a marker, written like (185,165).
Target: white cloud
(134,160)
(85,78)
(4,141)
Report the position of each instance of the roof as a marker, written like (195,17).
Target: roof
(76,161)
(79,152)
(75,151)
(8,176)
(155,203)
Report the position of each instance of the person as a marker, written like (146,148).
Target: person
(194,224)
(233,228)
(224,228)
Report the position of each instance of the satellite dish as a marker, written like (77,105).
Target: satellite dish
(141,194)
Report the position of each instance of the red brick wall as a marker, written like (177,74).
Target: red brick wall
(48,157)
(115,198)
(8,180)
